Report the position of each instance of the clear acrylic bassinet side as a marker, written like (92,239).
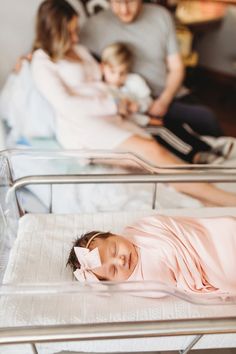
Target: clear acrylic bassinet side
(9,213)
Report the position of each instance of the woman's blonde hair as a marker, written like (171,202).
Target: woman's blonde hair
(117,54)
(52,33)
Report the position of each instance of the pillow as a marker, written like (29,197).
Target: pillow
(26,112)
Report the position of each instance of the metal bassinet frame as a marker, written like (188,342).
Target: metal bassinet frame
(143,173)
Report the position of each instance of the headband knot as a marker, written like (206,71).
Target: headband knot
(88,260)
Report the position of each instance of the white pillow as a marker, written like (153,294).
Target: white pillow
(24,109)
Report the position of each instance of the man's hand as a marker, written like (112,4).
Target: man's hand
(158,108)
(154,121)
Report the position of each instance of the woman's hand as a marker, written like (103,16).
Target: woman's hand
(127,106)
(123,107)
(158,108)
(133,106)
(20,60)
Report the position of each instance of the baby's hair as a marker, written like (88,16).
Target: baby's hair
(84,241)
(117,54)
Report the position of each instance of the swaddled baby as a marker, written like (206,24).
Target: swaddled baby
(195,255)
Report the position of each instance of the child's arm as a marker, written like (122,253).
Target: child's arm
(137,87)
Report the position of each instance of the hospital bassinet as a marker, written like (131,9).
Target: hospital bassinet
(42,306)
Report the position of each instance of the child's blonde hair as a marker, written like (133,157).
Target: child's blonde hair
(117,54)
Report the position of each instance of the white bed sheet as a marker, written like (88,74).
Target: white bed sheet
(102,197)
(39,255)
(93,197)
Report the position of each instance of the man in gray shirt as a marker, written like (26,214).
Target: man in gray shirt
(149,32)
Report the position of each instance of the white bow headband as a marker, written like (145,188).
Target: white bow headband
(88,260)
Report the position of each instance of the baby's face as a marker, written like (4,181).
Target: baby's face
(114,75)
(118,257)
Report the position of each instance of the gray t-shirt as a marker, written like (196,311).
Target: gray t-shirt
(151,38)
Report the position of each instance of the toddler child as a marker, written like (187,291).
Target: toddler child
(194,255)
(116,66)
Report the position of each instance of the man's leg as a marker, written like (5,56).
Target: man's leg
(179,141)
(200,118)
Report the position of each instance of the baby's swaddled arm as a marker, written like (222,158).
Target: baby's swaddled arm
(138,89)
(140,98)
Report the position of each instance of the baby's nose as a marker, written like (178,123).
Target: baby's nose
(122,261)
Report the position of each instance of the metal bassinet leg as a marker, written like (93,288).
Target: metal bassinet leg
(34,349)
(190,346)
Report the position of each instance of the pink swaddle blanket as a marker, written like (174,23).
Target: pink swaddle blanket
(196,255)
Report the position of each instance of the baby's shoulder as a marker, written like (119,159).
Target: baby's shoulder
(156,220)
(133,78)
(136,83)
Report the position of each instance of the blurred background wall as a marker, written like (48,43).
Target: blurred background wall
(16,31)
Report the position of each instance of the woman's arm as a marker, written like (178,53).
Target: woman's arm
(96,101)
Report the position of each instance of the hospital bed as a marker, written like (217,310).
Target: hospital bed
(43,310)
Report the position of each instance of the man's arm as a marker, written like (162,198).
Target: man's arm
(174,81)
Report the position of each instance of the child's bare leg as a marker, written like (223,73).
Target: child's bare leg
(158,155)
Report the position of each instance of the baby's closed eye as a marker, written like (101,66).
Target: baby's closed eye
(113,249)
(112,272)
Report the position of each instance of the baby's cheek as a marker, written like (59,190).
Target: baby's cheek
(127,274)
(122,276)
